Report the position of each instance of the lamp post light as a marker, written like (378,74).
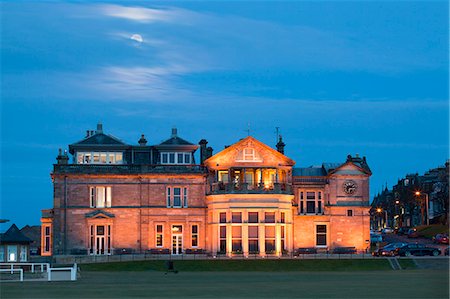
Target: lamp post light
(419,193)
(385,218)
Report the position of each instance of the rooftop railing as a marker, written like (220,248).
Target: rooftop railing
(246,188)
(126,169)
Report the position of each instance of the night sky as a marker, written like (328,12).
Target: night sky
(337,78)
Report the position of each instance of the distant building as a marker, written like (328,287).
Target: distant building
(247,199)
(34,234)
(14,246)
(402,206)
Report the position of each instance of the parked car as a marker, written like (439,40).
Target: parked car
(389,249)
(440,239)
(403,230)
(412,233)
(387,230)
(417,249)
(376,238)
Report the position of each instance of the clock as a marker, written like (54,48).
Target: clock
(350,187)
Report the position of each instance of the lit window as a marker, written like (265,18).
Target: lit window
(270,239)
(159,235)
(99,158)
(100,197)
(177,197)
(194,235)
(236,239)
(253,243)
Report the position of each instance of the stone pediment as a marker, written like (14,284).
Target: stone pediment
(248,152)
(349,168)
(99,214)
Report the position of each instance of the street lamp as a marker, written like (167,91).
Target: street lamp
(385,218)
(419,193)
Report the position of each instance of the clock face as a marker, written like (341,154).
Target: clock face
(350,187)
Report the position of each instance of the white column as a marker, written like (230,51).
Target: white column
(262,239)
(278,239)
(229,242)
(245,238)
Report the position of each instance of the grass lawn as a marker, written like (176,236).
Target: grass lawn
(240,284)
(246,265)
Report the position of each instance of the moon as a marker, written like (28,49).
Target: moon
(137,37)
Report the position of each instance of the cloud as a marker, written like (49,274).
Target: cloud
(139,14)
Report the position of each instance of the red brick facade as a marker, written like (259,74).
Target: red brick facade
(246,199)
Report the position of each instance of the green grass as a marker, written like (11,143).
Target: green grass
(247,265)
(429,231)
(152,284)
(407,264)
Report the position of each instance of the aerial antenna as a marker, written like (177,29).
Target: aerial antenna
(248,129)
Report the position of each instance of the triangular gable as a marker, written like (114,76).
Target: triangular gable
(13,235)
(247,152)
(98,214)
(349,168)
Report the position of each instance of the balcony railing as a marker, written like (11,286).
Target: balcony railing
(126,169)
(246,188)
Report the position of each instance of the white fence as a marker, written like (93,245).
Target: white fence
(48,273)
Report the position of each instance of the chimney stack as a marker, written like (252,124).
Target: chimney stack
(142,141)
(99,128)
(174,132)
(203,144)
(62,158)
(209,152)
(280,145)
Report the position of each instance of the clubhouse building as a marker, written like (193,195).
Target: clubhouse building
(111,197)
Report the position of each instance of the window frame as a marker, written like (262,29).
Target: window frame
(183,196)
(179,158)
(159,234)
(94,193)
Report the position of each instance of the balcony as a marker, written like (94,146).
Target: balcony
(246,188)
(127,169)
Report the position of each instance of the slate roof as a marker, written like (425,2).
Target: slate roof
(308,171)
(327,168)
(13,235)
(100,139)
(176,141)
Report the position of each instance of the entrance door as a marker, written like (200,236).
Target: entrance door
(177,244)
(100,240)
(177,239)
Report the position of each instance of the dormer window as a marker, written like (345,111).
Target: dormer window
(99,158)
(176,158)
